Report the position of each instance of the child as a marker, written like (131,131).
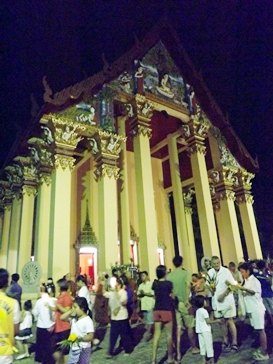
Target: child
(83,328)
(24,330)
(252,291)
(203,329)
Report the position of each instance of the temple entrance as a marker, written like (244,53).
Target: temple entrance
(88,264)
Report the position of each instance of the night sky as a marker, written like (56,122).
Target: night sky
(229,42)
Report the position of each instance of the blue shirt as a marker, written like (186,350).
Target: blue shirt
(266,286)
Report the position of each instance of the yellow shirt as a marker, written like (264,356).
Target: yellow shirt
(9,315)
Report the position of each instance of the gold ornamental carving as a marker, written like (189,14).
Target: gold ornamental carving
(245,198)
(45,178)
(244,179)
(196,148)
(188,210)
(227,195)
(67,132)
(110,144)
(64,162)
(29,190)
(142,130)
(106,170)
(145,107)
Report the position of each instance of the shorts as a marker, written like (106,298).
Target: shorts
(57,338)
(229,312)
(149,317)
(206,344)
(257,319)
(183,318)
(163,316)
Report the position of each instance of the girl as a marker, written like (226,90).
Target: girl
(81,283)
(83,328)
(24,330)
(163,311)
(251,289)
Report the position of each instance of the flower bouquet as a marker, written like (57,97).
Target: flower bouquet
(212,282)
(72,339)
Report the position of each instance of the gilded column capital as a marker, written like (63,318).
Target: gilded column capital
(243,179)
(106,170)
(141,122)
(226,195)
(45,178)
(195,132)
(244,197)
(64,161)
(6,195)
(29,190)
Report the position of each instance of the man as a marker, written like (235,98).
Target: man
(223,302)
(146,295)
(15,290)
(9,320)
(181,280)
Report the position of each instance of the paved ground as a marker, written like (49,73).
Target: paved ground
(143,350)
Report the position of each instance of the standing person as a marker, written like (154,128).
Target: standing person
(146,295)
(15,290)
(203,329)
(223,303)
(62,328)
(9,320)
(45,327)
(71,285)
(25,331)
(266,282)
(119,317)
(83,328)
(81,283)
(181,280)
(163,311)
(252,290)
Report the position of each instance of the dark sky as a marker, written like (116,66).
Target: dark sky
(230,43)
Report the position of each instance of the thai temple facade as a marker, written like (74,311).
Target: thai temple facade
(132,165)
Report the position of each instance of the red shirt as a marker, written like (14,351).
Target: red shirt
(65,300)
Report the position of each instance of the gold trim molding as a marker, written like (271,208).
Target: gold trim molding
(64,162)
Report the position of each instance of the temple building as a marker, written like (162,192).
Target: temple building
(132,165)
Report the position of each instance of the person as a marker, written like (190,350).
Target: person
(237,277)
(223,303)
(163,311)
(62,328)
(101,304)
(181,281)
(252,291)
(25,331)
(82,326)
(147,302)
(119,317)
(15,290)
(266,282)
(9,320)
(203,329)
(81,283)
(45,327)
(50,287)
(71,285)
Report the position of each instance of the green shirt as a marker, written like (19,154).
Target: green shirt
(179,278)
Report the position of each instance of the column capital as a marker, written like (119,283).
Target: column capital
(243,179)
(187,196)
(29,190)
(6,195)
(244,197)
(141,122)
(30,178)
(64,161)
(195,132)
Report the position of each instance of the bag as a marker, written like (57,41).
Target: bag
(241,306)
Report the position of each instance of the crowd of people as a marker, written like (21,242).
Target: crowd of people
(67,318)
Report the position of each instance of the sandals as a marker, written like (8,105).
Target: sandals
(226,347)
(234,348)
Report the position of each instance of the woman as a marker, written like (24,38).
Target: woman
(81,283)
(119,317)
(163,311)
(251,289)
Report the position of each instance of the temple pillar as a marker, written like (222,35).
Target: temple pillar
(6,226)
(245,201)
(41,248)
(106,174)
(13,246)
(124,233)
(192,265)
(148,241)
(195,133)
(182,234)
(226,218)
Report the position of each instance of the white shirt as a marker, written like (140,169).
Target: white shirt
(27,322)
(84,292)
(118,299)
(147,303)
(43,314)
(200,321)
(222,276)
(255,302)
(81,328)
